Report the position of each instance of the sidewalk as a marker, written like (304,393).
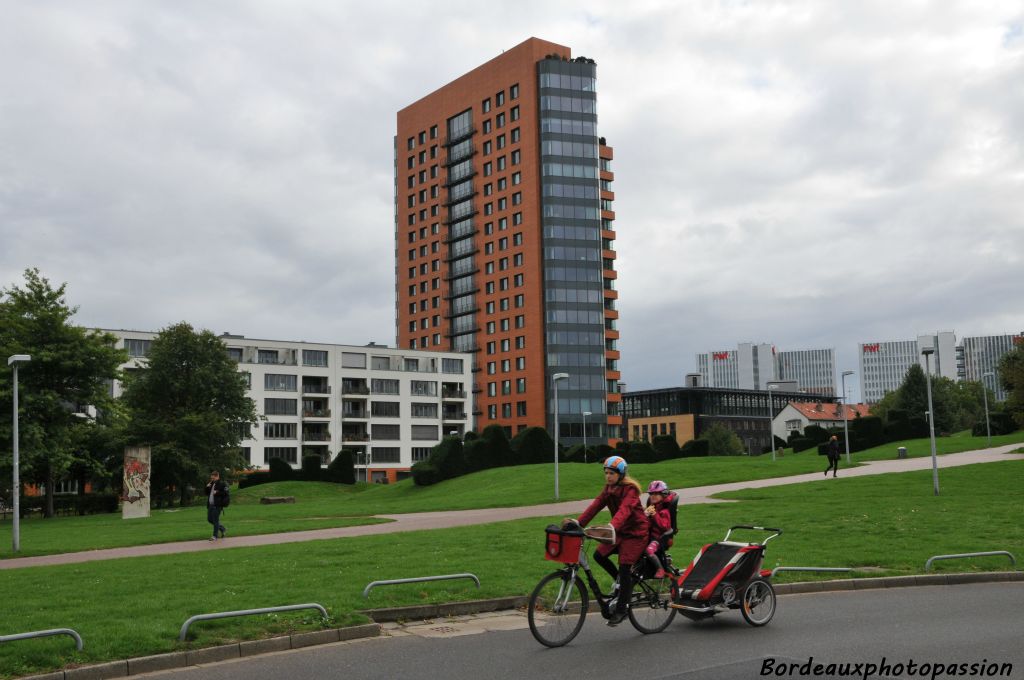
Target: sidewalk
(455,518)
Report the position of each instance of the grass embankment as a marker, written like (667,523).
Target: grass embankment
(322,505)
(134,607)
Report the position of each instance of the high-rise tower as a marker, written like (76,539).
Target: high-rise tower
(504,239)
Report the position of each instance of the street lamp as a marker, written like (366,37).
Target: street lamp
(554,379)
(846,429)
(927,352)
(984,394)
(771,417)
(585,414)
(13,361)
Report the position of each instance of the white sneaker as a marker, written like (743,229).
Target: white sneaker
(213,538)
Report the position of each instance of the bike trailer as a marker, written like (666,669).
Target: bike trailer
(563,545)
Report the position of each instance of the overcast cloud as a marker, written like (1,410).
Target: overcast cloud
(805,173)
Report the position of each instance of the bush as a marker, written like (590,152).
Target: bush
(816,433)
(801,444)
(425,473)
(253,479)
(869,430)
(999,423)
(722,441)
(312,468)
(641,452)
(280,471)
(602,451)
(665,447)
(342,469)
(499,449)
(695,448)
(477,455)
(449,458)
(532,445)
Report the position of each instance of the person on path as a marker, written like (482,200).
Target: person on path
(216,492)
(833,456)
(621,495)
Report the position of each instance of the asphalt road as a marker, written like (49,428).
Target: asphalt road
(950,625)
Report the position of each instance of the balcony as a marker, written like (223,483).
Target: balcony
(354,436)
(316,413)
(316,388)
(453,415)
(316,436)
(453,394)
(361,390)
(354,413)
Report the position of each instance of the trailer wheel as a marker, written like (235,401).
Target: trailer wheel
(758,605)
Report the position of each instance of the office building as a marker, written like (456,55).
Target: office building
(687,412)
(389,406)
(978,359)
(504,239)
(752,366)
(884,364)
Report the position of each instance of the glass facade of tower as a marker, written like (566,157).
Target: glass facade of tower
(571,221)
(462,285)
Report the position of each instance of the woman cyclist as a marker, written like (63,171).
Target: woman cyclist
(621,495)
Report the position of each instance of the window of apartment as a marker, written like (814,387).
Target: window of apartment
(278,382)
(520,385)
(266,356)
(517,239)
(280,407)
(386,454)
(288,454)
(279,430)
(246,378)
(517,177)
(410,162)
(489,288)
(486,105)
(423,388)
(489,248)
(520,342)
(425,433)
(515,140)
(502,223)
(451,365)
(506,410)
(517,280)
(492,368)
(489,268)
(423,137)
(489,208)
(385,409)
(520,363)
(433,130)
(488,169)
(422,410)
(520,408)
(235,354)
(488,228)
(513,92)
(499,99)
(487,126)
(501,141)
(500,120)
(492,389)
(492,411)
(505,345)
(503,243)
(383,386)
(410,182)
(412,219)
(489,189)
(488,147)
(490,307)
(386,432)
(521,321)
(433,172)
(421,453)
(520,300)
(353,360)
(514,113)
(410,144)
(491,347)
(504,324)
(412,272)
(502,184)
(517,259)
(517,198)
(503,264)
(503,304)
(437,339)
(490,328)
(423,157)
(501,163)
(506,387)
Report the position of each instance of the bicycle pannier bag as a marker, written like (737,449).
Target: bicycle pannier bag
(562,546)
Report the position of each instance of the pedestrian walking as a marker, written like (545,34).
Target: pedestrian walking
(216,501)
(833,456)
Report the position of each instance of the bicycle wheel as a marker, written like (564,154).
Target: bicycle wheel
(758,606)
(649,610)
(558,607)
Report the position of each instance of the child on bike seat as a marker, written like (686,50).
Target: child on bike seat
(661,513)
(621,495)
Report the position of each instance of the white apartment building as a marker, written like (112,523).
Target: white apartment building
(883,365)
(752,366)
(978,359)
(389,406)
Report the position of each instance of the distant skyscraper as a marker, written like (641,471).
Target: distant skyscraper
(752,366)
(884,364)
(979,355)
(505,239)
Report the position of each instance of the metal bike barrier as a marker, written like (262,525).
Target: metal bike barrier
(928,564)
(420,579)
(45,633)
(247,612)
(778,569)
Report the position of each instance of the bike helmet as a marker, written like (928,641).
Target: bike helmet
(657,486)
(617,463)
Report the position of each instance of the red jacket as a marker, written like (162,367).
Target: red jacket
(661,520)
(623,501)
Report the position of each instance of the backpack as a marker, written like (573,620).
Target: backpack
(225,499)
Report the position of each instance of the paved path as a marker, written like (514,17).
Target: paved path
(455,518)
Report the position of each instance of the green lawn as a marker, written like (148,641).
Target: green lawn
(323,505)
(135,606)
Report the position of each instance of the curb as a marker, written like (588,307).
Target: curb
(194,657)
(172,660)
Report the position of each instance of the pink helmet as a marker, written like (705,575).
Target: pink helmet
(657,486)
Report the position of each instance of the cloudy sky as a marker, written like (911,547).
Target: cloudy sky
(813,174)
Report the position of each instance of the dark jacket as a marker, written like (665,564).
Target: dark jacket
(218,495)
(664,517)
(623,501)
(833,448)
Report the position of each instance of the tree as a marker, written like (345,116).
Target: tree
(912,397)
(189,404)
(722,441)
(71,369)
(1011,375)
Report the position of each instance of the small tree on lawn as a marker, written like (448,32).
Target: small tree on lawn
(722,441)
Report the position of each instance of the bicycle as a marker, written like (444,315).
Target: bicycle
(558,605)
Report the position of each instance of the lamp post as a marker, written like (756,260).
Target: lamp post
(554,379)
(13,361)
(585,414)
(846,429)
(928,352)
(771,417)
(984,394)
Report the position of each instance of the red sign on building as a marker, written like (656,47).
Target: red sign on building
(720,356)
(871,348)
